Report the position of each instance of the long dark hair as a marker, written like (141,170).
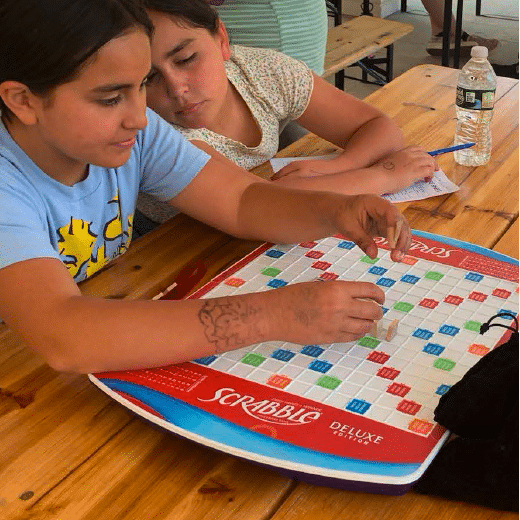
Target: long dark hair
(194,13)
(45,43)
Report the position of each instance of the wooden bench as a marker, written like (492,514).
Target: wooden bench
(355,41)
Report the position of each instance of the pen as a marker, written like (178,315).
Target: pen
(451,148)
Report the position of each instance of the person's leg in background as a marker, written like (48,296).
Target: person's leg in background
(435,9)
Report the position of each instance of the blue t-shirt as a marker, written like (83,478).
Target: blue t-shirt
(90,223)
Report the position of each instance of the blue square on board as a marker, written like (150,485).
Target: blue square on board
(442,389)
(375,269)
(274,253)
(276,282)
(449,330)
(433,348)
(422,334)
(205,360)
(474,277)
(344,244)
(507,311)
(312,350)
(358,406)
(320,366)
(385,282)
(283,355)
(410,278)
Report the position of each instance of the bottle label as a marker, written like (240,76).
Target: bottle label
(475,99)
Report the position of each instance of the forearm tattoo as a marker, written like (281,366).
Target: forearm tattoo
(230,323)
(308,315)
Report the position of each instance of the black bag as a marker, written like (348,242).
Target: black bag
(479,464)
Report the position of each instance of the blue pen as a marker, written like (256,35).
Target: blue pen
(451,148)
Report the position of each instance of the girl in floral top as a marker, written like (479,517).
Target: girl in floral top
(233,101)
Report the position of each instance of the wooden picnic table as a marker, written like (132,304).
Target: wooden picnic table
(67,451)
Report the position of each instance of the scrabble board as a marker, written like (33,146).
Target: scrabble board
(356,415)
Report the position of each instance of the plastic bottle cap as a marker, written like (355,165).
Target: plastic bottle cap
(479,52)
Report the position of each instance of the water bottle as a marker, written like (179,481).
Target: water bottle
(474,108)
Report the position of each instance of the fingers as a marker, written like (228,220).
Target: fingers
(375,216)
(367,292)
(306,168)
(393,233)
(355,329)
(368,245)
(357,305)
(430,162)
(405,238)
(397,233)
(286,170)
(292,168)
(362,307)
(364,315)
(329,312)
(418,162)
(361,300)
(403,241)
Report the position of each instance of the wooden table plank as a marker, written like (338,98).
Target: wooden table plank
(150,476)
(508,243)
(424,90)
(54,433)
(311,502)
(358,38)
(479,212)
(154,260)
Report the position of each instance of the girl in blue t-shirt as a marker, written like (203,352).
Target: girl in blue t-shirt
(76,146)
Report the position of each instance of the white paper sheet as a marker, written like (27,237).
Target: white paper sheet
(439,185)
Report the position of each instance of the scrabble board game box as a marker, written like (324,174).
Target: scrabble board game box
(356,415)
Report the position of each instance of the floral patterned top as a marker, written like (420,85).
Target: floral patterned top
(277,90)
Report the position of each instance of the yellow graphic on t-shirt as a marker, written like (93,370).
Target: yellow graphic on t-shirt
(97,260)
(77,242)
(113,228)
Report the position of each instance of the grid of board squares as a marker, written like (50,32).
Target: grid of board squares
(439,308)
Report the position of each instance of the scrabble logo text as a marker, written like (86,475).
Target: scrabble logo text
(440,252)
(271,411)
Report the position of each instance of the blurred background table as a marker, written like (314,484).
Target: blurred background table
(69,452)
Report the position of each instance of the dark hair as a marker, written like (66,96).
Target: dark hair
(45,43)
(194,13)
